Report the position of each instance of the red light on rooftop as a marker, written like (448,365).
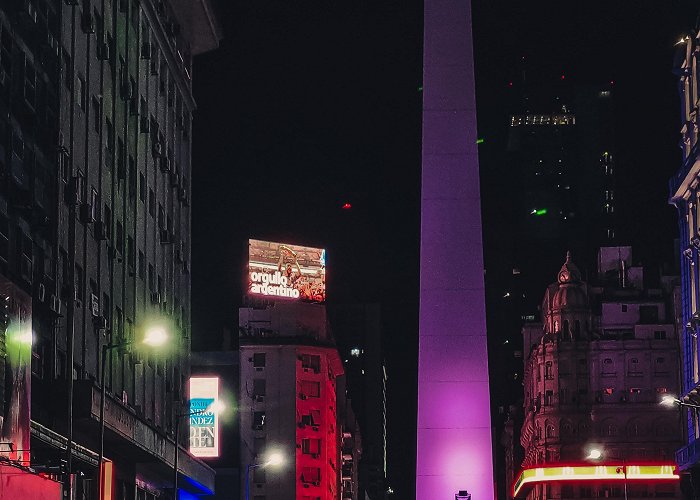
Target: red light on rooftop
(510,84)
(347,206)
(563,77)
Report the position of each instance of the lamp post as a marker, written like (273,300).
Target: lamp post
(216,407)
(671,401)
(596,454)
(274,459)
(154,337)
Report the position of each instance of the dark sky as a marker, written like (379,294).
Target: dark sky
(309,104)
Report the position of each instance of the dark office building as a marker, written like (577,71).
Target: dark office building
(95,119)
(357,329)
(561,155)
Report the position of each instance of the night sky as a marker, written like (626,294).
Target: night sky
(310,105)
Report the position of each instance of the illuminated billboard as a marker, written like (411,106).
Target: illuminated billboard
(15,367)
(284,271)
(204,422)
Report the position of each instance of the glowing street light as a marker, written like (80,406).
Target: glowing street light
(275,459)
(670,401)
(156,336)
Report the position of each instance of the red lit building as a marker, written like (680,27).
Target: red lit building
(595,371)
(289,368)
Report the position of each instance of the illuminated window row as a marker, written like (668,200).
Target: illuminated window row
(562,119)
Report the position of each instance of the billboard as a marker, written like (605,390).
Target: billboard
(204,422)
(287,272)
(15,371)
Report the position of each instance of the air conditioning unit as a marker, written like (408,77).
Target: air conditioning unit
(41,292)
(156,298)
(259,399)
(302,396)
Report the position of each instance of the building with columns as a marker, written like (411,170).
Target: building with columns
(595,371)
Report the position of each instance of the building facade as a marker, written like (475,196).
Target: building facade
(95,139)
(596,370)
(685,195)
(289,371)
(357,329)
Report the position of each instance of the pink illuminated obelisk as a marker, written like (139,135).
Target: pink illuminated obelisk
(454,422)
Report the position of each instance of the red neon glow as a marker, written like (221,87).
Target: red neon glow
(347,206)
(563,77)
(107,480)
(647,472)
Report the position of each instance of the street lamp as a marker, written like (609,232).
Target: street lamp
(596,454)
(670,401)
(216,408)
(154,337)
(274,459)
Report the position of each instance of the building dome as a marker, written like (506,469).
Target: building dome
(571,292)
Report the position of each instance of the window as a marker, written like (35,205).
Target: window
(311,362)
(311,475)
(548,397)
(313,418)
(94,205)
(258,420)
(310,446)
(259,387)
(132,177)
(624,308)
(659,335)
(109,130)
(648,314)
(660,366)
(608,366)
(608,391)
(548,371)
(310,389)
(634,369)
(259,360)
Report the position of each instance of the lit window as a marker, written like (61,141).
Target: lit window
(355,351)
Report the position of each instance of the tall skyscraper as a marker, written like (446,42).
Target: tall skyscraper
(454,422)
(96,109)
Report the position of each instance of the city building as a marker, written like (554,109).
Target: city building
(595,371)
(95,119)
(684,194)
(454,417)
(357,330)
(289,406)
(350,447)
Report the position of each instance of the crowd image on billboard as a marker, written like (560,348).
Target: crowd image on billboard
(285,271)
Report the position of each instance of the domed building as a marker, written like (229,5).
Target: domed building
(595,370)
